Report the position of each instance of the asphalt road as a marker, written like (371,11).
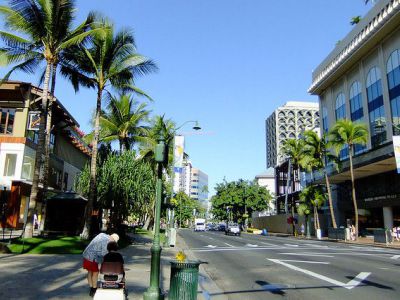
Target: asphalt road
(258,267)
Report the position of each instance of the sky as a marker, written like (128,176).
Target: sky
(226,63)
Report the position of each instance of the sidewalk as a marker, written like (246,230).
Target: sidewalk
(32,277)
(138,279)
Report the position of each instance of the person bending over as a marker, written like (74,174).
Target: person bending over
(93,255)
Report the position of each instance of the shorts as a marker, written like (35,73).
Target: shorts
(91,266)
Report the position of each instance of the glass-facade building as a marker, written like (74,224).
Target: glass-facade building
(360,81)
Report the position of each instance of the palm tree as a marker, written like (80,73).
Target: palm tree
(293,150)
(160,127)
(347,133)
(317,149)
(123,121)
(311,197)
(46,30)
(110,60)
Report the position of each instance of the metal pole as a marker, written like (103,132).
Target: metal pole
(154,291)
(172,214)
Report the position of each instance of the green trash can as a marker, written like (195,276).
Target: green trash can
(184,280)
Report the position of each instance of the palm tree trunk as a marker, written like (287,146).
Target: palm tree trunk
(46,162)
(93,184)
(315,221)
(287,187)
(353,191)
(28,232)
(316,218)
(328,188)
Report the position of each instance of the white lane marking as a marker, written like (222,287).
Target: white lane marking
(316,246)
(336,253)
(395,256)
(210,238)
(251,245)
(234,249)
(349,285)
(307,261)
(211,246)
(229,245)
(291,245)
(270,244)
(308,254)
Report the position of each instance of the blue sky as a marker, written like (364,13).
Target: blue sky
(226,63)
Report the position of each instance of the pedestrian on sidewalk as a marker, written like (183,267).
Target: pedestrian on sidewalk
(394,234)
(93,256)
(353,233)
(398,231)
(302,229)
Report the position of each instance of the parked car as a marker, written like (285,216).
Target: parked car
(221,227)
(232,228)
(210,227)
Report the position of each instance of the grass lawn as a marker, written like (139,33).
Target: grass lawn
(149,234)
(56,245)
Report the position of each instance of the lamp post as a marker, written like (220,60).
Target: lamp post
(172,214)
(154,291)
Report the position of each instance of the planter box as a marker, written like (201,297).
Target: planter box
(337,234)
(382,236)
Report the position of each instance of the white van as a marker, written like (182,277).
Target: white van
(199,224)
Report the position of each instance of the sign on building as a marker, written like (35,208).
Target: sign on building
(179,146)
(33,120)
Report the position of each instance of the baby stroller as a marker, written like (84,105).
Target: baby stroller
(111,282)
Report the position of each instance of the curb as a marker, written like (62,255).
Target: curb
(207,285)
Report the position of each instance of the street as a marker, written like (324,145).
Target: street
(259,267)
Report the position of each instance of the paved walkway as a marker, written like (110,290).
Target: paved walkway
(29,276)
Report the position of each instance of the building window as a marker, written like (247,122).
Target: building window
(7,117)
(10,164)
(52,142)
(340,107)
(59,179)
(376,110)
(393,75)
(27,167)
(340,112)
(356,110)
(33,135)
(324,120)
(65,187)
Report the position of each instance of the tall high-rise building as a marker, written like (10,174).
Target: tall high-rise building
(288,121)
(193,182)
(360,81)
(199,186)
(182,179)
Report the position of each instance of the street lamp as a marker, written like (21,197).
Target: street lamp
(171,220)
(154,291)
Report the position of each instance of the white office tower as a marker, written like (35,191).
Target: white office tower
(199,186)
(288,121)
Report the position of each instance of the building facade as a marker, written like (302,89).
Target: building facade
(19,103)
(182,179)
(288,121)
(267,180)
(360,81)
(199,186)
